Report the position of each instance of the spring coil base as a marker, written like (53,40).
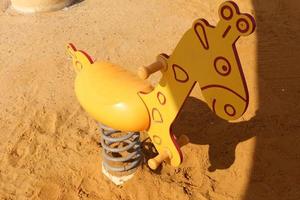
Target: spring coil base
(121,153)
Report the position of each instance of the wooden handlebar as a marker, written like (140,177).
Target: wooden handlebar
(155,162)
(160,64)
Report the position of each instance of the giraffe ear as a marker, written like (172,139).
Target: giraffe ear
(200,27)
(71,49)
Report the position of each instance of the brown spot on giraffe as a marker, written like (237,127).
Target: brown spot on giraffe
(161,98)
(156,116)
(180,74)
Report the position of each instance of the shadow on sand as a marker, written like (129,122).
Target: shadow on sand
(276,126)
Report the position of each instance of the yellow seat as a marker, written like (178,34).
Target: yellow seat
(109,94)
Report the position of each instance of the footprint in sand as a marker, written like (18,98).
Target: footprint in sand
(50,191)
(46,122)
(89,188)
(26,145)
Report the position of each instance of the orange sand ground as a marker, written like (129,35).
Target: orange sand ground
(49,147)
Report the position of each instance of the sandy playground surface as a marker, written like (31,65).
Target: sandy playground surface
(49,147)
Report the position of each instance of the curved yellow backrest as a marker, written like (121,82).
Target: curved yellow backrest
(109,93)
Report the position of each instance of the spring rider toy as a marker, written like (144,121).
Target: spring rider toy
(125,103)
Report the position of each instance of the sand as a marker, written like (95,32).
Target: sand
(49,147)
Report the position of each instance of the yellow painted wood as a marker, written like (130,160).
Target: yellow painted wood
(109,93)
(207,55)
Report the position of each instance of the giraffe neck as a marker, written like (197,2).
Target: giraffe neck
(164,104)
(167,98)
(177,85)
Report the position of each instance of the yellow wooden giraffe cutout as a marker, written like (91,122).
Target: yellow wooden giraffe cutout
(205,54)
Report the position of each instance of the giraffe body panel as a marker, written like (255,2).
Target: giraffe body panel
(163,113)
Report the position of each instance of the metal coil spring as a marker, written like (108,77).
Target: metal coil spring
(132,147)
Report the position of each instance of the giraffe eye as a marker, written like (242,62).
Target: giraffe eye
(222,66)
(227,12)
(242,25)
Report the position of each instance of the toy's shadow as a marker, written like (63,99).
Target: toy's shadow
(203,127)
(276,161)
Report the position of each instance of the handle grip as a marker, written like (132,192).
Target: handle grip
(160,64)
(155,162)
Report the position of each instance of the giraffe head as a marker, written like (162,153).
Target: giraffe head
(220,74)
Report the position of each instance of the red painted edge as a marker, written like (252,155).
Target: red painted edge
(91,60)
(88,56)
(174,139)
(72,46)
(171,132)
